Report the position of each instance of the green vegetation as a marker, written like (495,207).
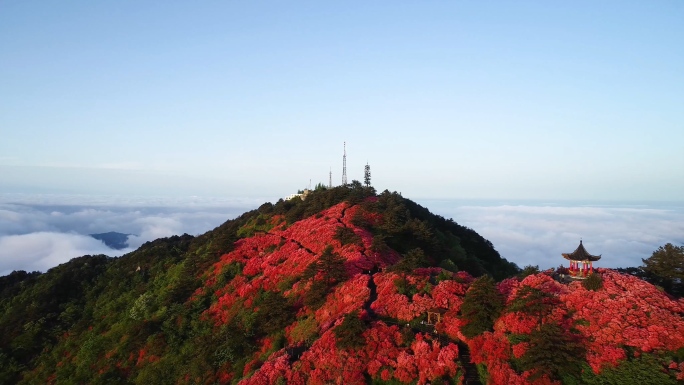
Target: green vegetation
(666,265)
(262,223)
(481,306)
(414,259)
(593,282)
(646,369)
(142,318)
(554,353)
(528,270)
(349,332)
(533,301)
(346,236)
(330,265)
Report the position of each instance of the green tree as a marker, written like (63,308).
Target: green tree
(275,312)
(367,175)
(528,270)
(347,236)
(646,369)
(593,282)
(350,332)
(533,301)
(330,264)
(331,267)
(481,306)
(414,259)
(667,264)
(553,352)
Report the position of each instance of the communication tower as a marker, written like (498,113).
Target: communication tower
(344,165)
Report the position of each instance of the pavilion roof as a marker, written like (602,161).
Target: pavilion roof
(581,254)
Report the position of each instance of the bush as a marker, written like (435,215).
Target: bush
(553,352)
(528,270)
(642,370)
(305,330)
(593,282)
(347,236)
(317,294)
(350,332)
(404,287)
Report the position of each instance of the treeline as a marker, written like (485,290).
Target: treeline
(664,268)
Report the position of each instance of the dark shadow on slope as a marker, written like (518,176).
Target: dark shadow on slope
(470,375)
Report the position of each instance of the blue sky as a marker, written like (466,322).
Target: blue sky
(499,100)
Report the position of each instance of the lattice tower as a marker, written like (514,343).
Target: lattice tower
(344,165)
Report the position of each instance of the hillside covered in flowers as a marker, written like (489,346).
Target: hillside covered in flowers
(346,286)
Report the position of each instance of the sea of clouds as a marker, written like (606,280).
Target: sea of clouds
(38,232)
(536,233)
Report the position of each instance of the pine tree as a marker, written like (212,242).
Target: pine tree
(412,260)
(482,305)
(533,301)
(553,352)
(667,264)
(350,332)
(367,176)
(331,265)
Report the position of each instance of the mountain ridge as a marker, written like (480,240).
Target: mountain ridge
(113,239)
(344,285)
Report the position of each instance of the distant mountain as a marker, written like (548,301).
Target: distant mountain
(113,239)
(345,286)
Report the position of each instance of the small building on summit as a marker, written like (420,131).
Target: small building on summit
(581,262)
(302,194)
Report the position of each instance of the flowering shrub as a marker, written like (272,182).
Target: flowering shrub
(383,355)
(346,298)
(626,312)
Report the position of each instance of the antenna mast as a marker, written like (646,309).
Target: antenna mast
(344,165)
(330,178)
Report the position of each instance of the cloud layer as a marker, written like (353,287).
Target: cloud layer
(530,234)
(39,232)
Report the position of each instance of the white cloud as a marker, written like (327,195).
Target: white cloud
(38,232)
(537,235)
(43,250)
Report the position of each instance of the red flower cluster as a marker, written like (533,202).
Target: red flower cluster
(383,356)
(625,312)
(346,298)
(446,295)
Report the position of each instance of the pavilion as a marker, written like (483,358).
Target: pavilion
(581,262)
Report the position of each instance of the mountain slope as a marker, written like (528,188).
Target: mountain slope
(113,239)
(345,285)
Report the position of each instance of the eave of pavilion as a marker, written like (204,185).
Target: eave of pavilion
(581,255)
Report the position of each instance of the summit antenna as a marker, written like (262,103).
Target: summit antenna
(344,165)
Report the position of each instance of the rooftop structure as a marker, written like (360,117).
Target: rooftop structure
(581,262)
(301,195)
